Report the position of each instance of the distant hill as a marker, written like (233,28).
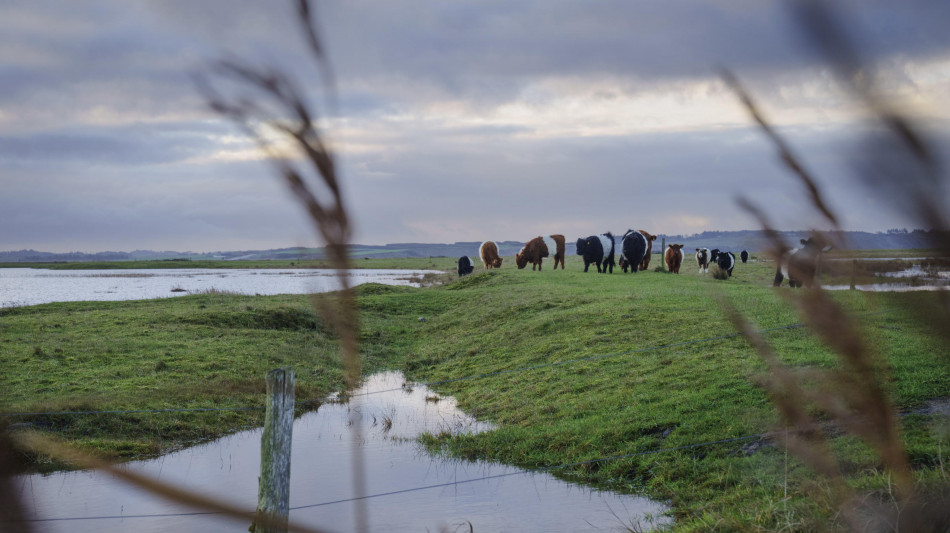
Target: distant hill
(751,240)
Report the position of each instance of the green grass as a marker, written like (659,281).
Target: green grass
(646,395)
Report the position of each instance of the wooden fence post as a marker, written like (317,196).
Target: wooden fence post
(273,496)
(854,272)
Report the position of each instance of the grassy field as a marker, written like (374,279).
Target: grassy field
(633,385)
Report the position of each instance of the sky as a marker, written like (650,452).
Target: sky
(450,121)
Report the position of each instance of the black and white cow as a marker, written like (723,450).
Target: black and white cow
(597,249)
(466,265)
(633,249)
(702,258)
(744,255)
(725,260)
(800,264)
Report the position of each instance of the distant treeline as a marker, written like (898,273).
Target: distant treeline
(751,240)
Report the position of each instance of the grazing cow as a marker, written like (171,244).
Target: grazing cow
(702,257)
(645,264)
(674,257)
(540,247)
(466,265)
(744,256)
(725,260)
(597,249)
(633,246)
(799,265)
(488,251)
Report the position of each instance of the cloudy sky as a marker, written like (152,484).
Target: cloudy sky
(454,121)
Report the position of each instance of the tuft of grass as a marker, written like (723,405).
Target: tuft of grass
(719,273)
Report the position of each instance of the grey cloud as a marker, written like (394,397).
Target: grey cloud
(124,182)
(617,183)
(127,145)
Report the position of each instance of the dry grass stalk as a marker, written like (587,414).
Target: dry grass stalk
(785,152)
(35,441)
(852,397)
(802,433)
(12,514)
(899,164)
(290,116)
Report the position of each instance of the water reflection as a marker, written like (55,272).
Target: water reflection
(389,422)
(28,286)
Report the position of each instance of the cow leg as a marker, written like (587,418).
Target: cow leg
(777,282)
(586,266)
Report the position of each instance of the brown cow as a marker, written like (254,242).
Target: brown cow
(674,257)
(541,247)
(645,263)
(489,254)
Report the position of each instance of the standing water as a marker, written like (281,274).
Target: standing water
(410,490)
(29,286)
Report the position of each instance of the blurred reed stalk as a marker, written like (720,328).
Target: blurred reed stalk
(851,397)
(270,102)
(278,107)
(12,514)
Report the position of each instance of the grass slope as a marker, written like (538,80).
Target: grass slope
(637,384)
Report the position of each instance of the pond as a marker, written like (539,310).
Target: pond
(389,417)
(29,286)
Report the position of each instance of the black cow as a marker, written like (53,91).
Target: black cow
(725,260)
(466,265)
(633,248)
(744,255)
(597,249)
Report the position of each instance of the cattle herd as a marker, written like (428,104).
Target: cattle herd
(636,248)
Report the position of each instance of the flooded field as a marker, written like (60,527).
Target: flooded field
(887,274)
(415,491)
(29,286)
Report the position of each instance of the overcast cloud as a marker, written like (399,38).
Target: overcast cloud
(456,121)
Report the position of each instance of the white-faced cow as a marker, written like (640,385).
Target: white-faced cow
(800,264)
(597,249)
(633,248)
(488,251)
(645,263)
(540,247)
(725,260)
(702,258)
(466,265)
(744,255)
(674,257)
